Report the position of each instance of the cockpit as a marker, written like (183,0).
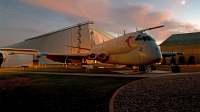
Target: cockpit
(144,38)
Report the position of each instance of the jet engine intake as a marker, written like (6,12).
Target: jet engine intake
(102,56)
(98,56)
(92,56)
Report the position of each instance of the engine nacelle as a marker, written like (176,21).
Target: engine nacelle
(102,56)
(92,56)
(98,56)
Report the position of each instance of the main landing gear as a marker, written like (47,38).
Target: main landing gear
(144,68)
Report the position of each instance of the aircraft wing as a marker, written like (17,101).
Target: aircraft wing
(170,54)
(11,51)
(70,58)
(57,57)
(18,49)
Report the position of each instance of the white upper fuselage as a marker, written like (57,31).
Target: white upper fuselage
(131,49)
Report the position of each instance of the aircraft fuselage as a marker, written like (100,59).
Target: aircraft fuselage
(131,49)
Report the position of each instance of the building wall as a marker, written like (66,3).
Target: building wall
(187,49)
(55,42)
(85,35)
(17,60)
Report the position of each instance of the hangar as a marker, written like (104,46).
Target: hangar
(188,43)
(84,35)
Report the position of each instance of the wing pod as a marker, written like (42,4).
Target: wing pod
(10,53)
(39,54)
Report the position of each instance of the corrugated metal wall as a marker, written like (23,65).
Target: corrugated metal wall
(54,42)
(17,60)
(187,49)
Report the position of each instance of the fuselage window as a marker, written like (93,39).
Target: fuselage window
(144,38)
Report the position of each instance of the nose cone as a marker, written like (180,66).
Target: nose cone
(150,54)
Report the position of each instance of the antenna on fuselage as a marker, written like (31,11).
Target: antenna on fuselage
(150,28)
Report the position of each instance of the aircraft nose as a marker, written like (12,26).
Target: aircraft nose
(150,54)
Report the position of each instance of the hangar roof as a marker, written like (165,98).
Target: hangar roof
(79,24)
(185,38)
(56,41)
(92,26)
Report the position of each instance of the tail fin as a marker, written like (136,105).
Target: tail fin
(92,42)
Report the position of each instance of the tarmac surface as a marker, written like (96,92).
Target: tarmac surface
(122,73)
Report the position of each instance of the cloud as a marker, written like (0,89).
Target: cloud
(116,18)
(138,15)
(90,9)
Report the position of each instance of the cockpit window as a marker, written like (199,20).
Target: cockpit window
(138,38)
(153,39)
(148,38)
(144,38)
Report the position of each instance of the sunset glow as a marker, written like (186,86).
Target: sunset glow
(22,19)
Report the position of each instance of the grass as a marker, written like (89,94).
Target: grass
(62,93)
(60,69)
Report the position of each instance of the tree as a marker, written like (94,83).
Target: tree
(181,60)
(191,60)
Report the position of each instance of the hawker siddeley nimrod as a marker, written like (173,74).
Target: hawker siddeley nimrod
(132,49)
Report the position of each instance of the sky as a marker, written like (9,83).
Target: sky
(22,19)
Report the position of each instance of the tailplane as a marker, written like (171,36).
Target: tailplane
(150,28)
(78,47)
